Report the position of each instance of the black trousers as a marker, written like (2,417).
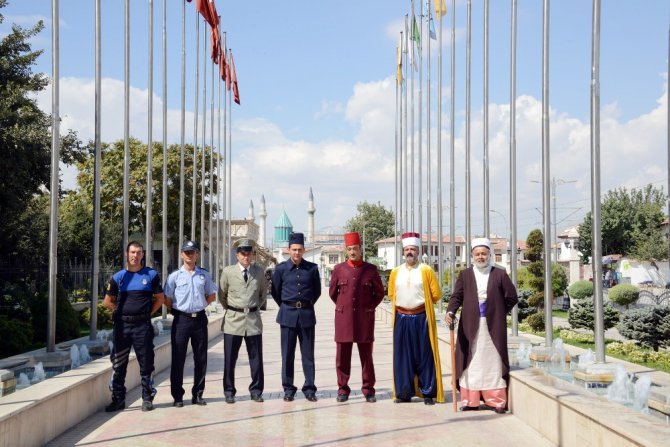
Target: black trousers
(139,336)
(289,338)
(185,328)
(231,349)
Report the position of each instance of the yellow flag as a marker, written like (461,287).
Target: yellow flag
(399,64)
(440,8)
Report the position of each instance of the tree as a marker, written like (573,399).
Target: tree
(25,136)
(373,222)
(650,326)
(580,289)
(581,314)
(630,224)
(79,205)
(623,294)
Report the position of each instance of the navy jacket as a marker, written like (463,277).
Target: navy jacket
(292,283)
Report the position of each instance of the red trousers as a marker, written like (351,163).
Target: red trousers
(343,365)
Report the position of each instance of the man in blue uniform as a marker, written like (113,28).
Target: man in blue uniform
(296,286)
(188,291)
(133,295)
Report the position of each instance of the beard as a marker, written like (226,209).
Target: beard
(482,264)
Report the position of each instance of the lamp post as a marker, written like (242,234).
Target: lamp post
(323,268)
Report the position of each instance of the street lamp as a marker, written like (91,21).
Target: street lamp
(554,183)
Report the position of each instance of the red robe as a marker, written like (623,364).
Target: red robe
(501,298)
(356,292)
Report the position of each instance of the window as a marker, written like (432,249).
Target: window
(498,257)
(333,259)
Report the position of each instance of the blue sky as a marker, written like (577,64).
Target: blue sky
(318,97)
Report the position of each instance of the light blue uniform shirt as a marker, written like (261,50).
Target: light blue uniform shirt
(189,292)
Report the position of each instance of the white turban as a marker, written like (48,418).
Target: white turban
(480,242)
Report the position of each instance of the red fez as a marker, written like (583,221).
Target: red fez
(352,239)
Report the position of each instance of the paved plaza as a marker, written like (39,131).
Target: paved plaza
(298,423)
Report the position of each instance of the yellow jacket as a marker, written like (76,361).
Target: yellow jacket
(431,292)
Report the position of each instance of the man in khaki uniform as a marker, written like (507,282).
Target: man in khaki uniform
(242,292)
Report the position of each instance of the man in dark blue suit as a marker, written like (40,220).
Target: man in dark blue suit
(296,286)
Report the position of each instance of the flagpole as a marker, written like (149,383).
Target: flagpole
(164,242)
(229,174)
(182,132)
(487,224)
(95,271)
(204,146)
(420,168)
(55,183)
(440,241)
(126,132)
(148,257)
(599,323)
(452,147)
(468,95)
(546,175)
(194,181)
(226,224)
(406,226)
(512,163)
(401,140)
(218,173)
(429,232)
(396,167)
(211,173)
(411,125)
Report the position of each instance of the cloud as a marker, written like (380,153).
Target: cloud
(344,172)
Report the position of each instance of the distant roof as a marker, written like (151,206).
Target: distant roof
(284,221)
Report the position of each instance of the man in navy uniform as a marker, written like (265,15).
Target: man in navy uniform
(133,295)
(243,293)
(188,292)
(296,286)
(356,289)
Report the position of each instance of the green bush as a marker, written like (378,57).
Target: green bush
(524,309)
(581,315)
(536,300)
(650,326)
(16,336)
(67,321)
(536,321)
(104,317)
(568,335)
(623,294)
(580,289)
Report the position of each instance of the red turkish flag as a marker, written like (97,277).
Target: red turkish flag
(233,79)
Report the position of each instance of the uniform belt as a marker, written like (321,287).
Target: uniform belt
(246,310)
(298,304)
(187,314)
(415,311)
(135,318)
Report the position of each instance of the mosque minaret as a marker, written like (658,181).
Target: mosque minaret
(263,214)
(251,216)
(310,217)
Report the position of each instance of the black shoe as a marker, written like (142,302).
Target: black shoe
(371,399)
(230,399)
(342,397)
(288,398)
(147,405)
(198,400)
(468,408)
(311,397)
(399,400)
(500,410)
(257,398)
(115,406)
(178,403)
(428,401)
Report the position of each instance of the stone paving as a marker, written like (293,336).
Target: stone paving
(298,423)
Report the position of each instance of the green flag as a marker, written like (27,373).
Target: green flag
(416,37)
